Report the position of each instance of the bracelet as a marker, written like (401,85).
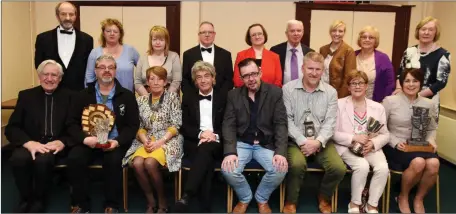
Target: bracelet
(164,138)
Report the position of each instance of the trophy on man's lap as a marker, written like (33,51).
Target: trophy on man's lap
(373,127)
(98,120)
(420,123)
(309,128)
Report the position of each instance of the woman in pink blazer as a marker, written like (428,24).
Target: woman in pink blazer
(351,126)
(268,61)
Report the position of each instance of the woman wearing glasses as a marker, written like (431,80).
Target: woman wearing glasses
(158,142)
(159,54)
(340,59)
(267,60)
(354,112)
(126,56)
(375,64)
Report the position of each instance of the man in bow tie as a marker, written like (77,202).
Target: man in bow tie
(202,116)
(66,45)
(207,51)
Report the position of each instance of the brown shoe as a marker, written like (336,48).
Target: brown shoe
(240,207)
(324,205)
(289,208)
(264,208)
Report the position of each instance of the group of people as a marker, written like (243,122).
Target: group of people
(289,105)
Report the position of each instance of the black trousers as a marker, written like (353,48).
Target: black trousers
(203,158)
(32,177)
(79,158)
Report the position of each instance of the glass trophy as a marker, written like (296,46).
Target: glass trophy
(98,120)
(420,122)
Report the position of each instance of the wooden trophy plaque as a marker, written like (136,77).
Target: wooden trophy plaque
(98,120)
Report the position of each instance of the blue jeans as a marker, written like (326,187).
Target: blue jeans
(270,180)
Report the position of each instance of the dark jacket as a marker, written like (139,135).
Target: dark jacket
(223,68)
(46,47)
(27,123)
(271,119)
(191,115)
(126,121)
(281,50)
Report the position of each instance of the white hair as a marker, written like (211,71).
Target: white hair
(294,22)
(43,64)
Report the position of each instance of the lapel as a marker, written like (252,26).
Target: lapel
(56,46)
(349,109)
(77,45)
(197,53)
(263,95)
(196,105)
(216,56)
(244,94)
(214,105)
(369,109)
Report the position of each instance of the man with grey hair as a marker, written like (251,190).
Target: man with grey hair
(107,91)
(202,116)
(66,45)
(292,52)
(36,130)
(207,51)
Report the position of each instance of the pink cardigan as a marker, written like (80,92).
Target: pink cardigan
(345,122)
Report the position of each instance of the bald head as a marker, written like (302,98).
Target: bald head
(66,14)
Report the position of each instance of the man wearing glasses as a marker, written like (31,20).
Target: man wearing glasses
(311,105)
(207,51)
(248,134)
(108,91)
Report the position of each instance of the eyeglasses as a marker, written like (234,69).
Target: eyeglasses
(257,34)
(247,76)
(104,68)
(367,37)
(360,84)
(111,31)
(206,32)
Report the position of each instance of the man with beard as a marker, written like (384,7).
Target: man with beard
(292,52)
(248,134)
(66,45)
(37,131)
(108,91)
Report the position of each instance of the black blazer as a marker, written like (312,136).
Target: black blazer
(46,47)
(281,50)
(272,121)
(27,123)
(223,68)
(125,109)
(191,115)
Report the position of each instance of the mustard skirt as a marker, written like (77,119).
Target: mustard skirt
(158,154)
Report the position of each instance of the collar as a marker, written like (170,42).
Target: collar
(210,93)
(61,28)
(202,46)
(418,98)
(299,85)
(111,93)
(246,90)
(298,48)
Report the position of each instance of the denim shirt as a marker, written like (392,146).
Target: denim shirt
(113,134)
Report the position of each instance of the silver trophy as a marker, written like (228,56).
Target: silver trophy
(373,126)
(309,128)
(420,123)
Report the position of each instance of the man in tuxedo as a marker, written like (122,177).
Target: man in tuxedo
(108,91)
(66,45)
(248,134)
(292,52)
(202,116)
(36,130)
(211,53)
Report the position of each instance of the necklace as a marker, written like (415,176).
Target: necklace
(427,52)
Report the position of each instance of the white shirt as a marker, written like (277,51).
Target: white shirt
(205,107)
(208,57)
(300,55)
(66,43)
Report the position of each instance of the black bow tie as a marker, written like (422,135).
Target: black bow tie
(208,97)
(66,32)
(206,49)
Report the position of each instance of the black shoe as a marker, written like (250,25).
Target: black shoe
(181,204)
(23,207)
(37,207)
(78,209)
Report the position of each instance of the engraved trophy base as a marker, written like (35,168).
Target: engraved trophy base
(102,145)
(418,146)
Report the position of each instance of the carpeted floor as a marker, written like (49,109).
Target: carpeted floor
(60,193)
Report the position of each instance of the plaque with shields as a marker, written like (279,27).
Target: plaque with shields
(420,123)
(98,120)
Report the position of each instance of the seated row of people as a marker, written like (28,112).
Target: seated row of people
(282,129)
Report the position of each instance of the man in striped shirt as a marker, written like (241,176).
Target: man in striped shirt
(311,109)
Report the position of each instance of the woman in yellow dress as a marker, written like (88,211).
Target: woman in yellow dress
(158,142)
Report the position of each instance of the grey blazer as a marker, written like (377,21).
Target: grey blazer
(172,66)
(271,119)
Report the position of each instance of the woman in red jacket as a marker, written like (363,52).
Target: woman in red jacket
(267,60)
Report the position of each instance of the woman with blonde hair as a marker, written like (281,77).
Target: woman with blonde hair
(375,64)
(428,56)
(339,59)
(111,41)
(158,54)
